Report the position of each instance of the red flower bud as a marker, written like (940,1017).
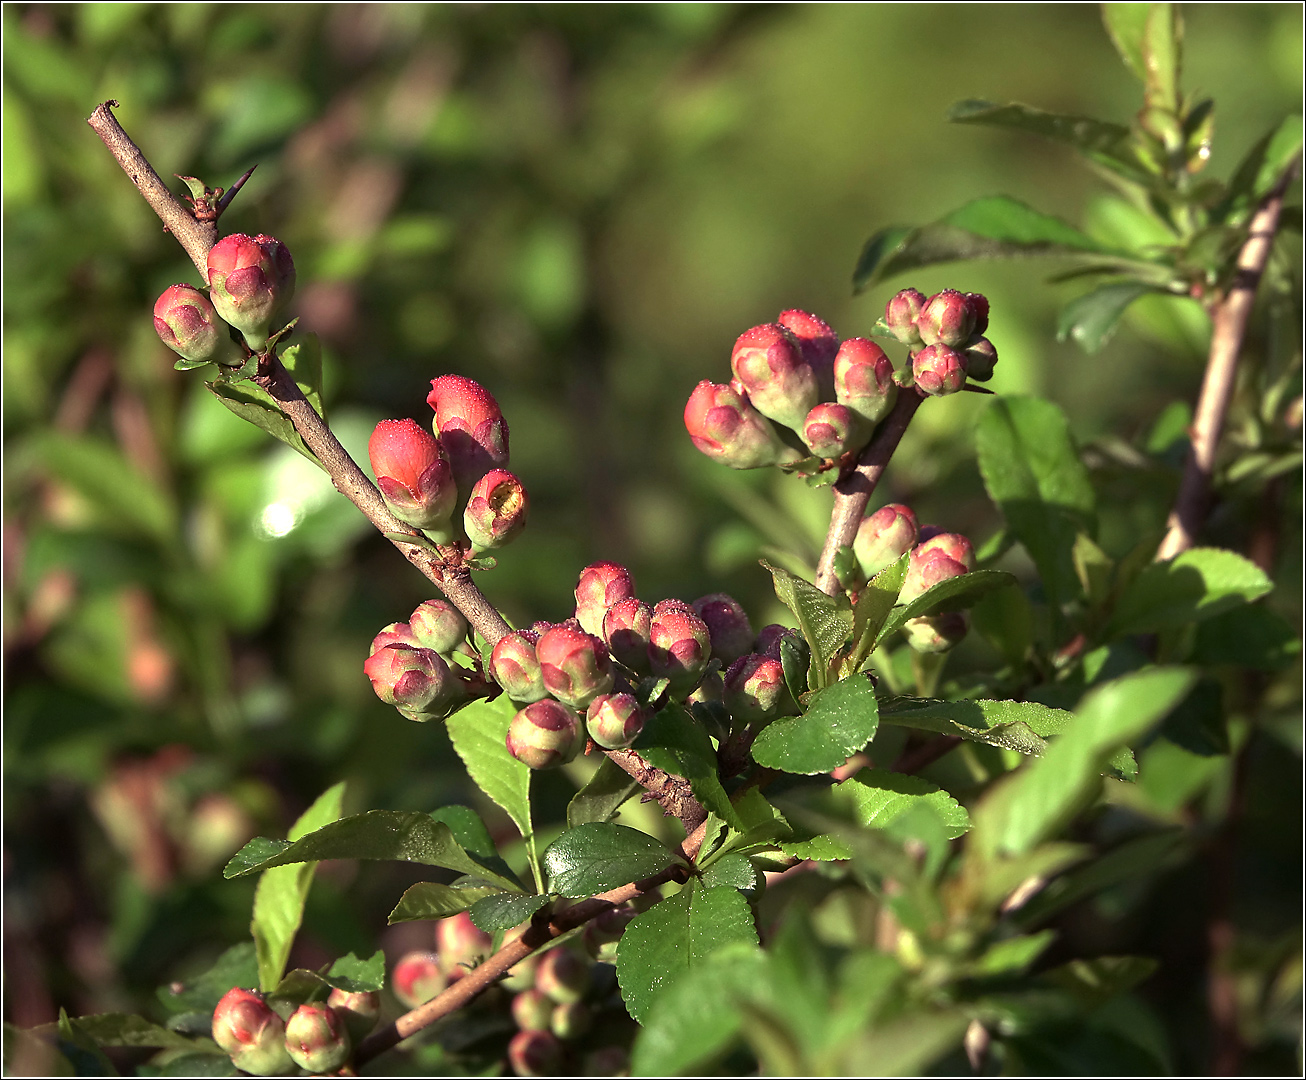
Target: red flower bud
(358,1010)
(725,427)
(251,280)
(575,665)
(515,667)
(246,1027)
(768,361)
(571,1020)
(316,1039)
(679,645)
(461,945)
(416,680)
(471,427)
(413,474)
(496,510)
(417,978)
(186,321)
(755,689)
(533,1010)
(863,379)
(545,734)
(397,633)
(438,625)
(832,430)
(980,358)
(927,570)
(948,319)
(979,309)
(901,313)
(535,1053)
(626,628)
(818,344)
(884,537)
(939,370)
(727,625)
(770,636)
(614,721)
(935,633)
(955,546)
(563,975)
(601,586)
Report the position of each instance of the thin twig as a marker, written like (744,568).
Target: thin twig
(915,758)
(1228,327)
(230,193)
(853,492)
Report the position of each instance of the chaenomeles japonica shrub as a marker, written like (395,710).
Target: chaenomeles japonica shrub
(828,910)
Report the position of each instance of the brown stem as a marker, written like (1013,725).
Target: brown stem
(1228,326)
(927,753)
(853,492)
(672,792)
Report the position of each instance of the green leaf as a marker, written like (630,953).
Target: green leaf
(1251,636)
(506,910)
(357,976)
(954,594)
(675,936)
(1038,800)
(81,1049)
(303,361)
(1012,725)
(733,870)
(428,900)
(674,741)
(599,856)
(905,1045)
(1262,168)
(473,837)
(251,402)
(602,796)
(1196,585)
(401,835)
(840,720)
(824,620)
(282,890)
(1012,955)
(1162,52)
(1100,979)
(1032,472)
(872,611)
(1126,25)
(121,1029)
(1090,320)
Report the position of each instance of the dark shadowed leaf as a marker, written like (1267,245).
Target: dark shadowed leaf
(506,910)
(1199,584)
(430,900)
(602,796)
(1091,319)
(955,594)
(598,856)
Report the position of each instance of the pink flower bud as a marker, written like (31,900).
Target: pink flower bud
(901,313)
(413,474)
(755,689)
(955,546)
(563,975)
(884,537)
(496,510)
(417,680)
(939,370)
(863,379)
(545,734)
(601,586)
(769,363)
(770,636)
(246,1027)
(614,721)
(947,319)
(438,625)
(935,633)
(575,666)
(417,978)
(980,358)
(712,688)
(461,945)
(727,625)
(724,426)
(979,309)
(818,344)
(832,430)
(571,1020)
(515,667)
(397,633)
(926,570)
(316,1039)
(606,930)
(358,1010)
(251,280)
(186,321)
(535,1053)
(626,629)
(471,427)
(679,645)
(533,1010)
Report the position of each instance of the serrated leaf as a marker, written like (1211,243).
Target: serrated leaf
(732,870)
(283,889)
(238,966)
(356,975)
(430,900)
(303,361)
(840,720)
(825,621)
(1090,320)
(1198,584)
(599,856)
(473,837)
(872,611)
(954,594)
(251,402)
(675,936)
(121,1029)
(505,910)
(672,740)
(602,796)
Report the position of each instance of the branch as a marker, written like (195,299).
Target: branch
(1229,325)
(853,492)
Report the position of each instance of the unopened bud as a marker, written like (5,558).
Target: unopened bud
(251,280)
(755,689)
(535,1053)
(414,475)
(571,1020)
(614,721)
(606,930)
(187,322)
(417,680)
(626,629)
(901,313)
(461,944)
(496,510)
(515,667)
(563,974)
(438,625)
(979,309)
(679,645)
(247,1028)
(832,430)
(955,546)
(532,1010)
(939,370)
(545,734)
(927,570)
(358,1010)
(770,636)
(601,585)
(935,633)
(725,426)
(981,356)
(727,625)
(818,344)
(397,633)
(863,379)
(947,319)
(768,362)
(884,537)
(316,1039)
(574,665)
(471,427)
(417,978)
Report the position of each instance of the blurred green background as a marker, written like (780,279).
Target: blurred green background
(580,206)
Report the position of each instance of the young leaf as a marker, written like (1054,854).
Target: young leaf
(954,594)
(598,856)
(1012,955)
(824,620)
(357,976)
(872,611)
(1262,168)
(1196,585)
(282,890)
(81,1050)
(733,870)
(840,720)
(506,910)
(429,900)
(674,741)
(303,361)
(1126,25)
(674,937)
(1091,319)
(251,402)
(602,796)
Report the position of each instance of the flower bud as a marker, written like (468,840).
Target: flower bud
(515,667)
(724,426)
(901,313)
(606,930)
(532,1010)
(601,586)
(770,636)
(413,474)
(247,1028)
(316,1039)
(186,321)
(727,625)
(574,665)
(535,1053)
(626,629)
(417,978)
(980,358)
(471,427)
(979,309)
(571,1020)
(884,537)
(939,370)
(496,510)
(545,734)
(935,633)
(358,1010)
(755,689)
(818,344)
(679,645)
(768,361)
(461,945)
(948,318)
(251,280)
(397,633)
(927,570)
(863,379)
(614,721)
(607,1061)
(955,546)
(417,680)
(438,625)
(563,974)
(832,430)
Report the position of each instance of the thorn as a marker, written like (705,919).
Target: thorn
(231,193)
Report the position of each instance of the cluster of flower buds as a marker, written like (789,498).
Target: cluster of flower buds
(424,478)
(316,1037)
(945,336)
(420,666)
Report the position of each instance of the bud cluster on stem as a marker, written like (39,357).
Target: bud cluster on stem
(424,667)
